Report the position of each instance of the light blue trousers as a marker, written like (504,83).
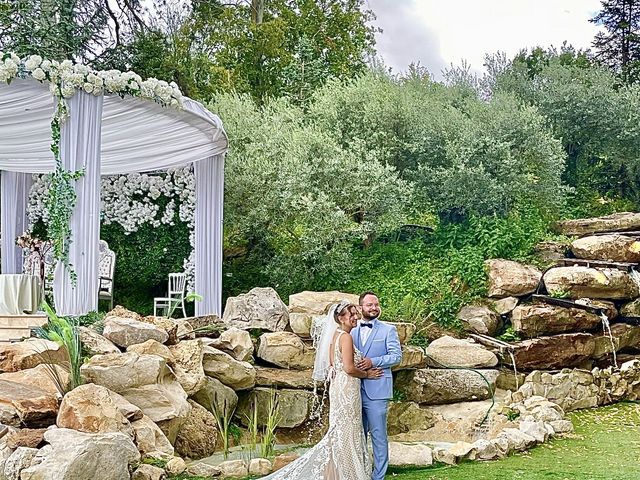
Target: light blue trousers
(374,419)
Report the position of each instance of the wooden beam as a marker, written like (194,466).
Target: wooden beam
(488,341)
(566,303)
(624,266)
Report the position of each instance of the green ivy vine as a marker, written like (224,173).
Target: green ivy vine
(62,198)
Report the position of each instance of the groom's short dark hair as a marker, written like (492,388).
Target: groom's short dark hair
(364,294)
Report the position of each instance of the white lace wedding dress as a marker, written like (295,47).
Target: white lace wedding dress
(342,453)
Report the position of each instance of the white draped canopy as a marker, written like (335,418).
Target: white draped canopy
(108,135)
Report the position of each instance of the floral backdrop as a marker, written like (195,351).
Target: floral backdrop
(147,205)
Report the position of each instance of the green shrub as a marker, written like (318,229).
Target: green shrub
(144,260)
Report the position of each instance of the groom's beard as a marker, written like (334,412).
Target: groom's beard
(368,317)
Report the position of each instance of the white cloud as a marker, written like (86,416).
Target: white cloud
(440,32)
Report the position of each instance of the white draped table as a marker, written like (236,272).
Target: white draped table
(19,294)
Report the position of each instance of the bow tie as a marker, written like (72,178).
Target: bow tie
(369,325)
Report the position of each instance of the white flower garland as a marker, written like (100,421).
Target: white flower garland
(65,78)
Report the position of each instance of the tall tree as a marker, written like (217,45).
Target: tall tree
(618,46)
(59,29)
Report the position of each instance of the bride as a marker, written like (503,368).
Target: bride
(342,453)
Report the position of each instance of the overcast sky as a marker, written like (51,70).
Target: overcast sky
(437,33)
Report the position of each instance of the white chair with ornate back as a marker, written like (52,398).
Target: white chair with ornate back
(175,296)
(106,270)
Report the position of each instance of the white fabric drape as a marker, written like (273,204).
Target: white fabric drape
(209,175)
(137,135)
(14,197)
(80,148)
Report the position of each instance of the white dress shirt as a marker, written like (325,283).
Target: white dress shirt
(365,332)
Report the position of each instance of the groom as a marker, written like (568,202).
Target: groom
(380,346)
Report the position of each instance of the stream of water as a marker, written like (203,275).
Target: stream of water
(606,327)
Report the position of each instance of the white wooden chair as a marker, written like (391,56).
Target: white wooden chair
(175,296)
(106,270)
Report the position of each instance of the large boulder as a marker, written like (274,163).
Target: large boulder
(39,377)
(479,319)
(588,282)
(405,330)
(27,405)
(231,372)
(412,357)
(439,386)
(511,279)
(623,336)
(549,353)
(549,252)
(318,303)
(168,325)
(301,323)
(614,248)
(236,343)
(504,306)
(152,347)
(187,364)
(608,307)
(531,321)
(144,380)
(631,309)
(294,407)
(286,350)
(409,454)
(198,434)
(406,417)
(20,459)
(91,408)
(94,343)
(617,222)
(25,437)
(451,352)
(279,378)
(204,325)
(76,455)
(126,331)
(30,353)
(149,472)
(216,397)
(120,372)
(150,439)
(260,308)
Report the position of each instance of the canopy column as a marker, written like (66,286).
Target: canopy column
(14,198)
(209,175)
(80,146)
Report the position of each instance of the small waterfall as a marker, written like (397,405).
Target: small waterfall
(606,327)
(515,369)
(635,276)
(317,408)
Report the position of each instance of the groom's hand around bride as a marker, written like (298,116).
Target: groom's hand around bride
(365,364)
(374,373)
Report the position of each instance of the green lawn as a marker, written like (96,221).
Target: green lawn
(605,447)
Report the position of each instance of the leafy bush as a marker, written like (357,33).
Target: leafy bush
(143,261)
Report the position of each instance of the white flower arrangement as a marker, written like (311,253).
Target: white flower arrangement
(132,201)
(66,78)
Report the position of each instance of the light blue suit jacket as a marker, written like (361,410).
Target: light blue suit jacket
(383,348)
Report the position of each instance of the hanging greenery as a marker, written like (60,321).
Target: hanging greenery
(62,197)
